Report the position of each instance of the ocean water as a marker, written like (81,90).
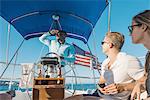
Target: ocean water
(81,86)
(6,87)
(67,86)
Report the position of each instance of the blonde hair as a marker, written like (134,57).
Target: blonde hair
(143,18)
(116,38)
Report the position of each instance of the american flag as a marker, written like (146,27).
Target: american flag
(83,60)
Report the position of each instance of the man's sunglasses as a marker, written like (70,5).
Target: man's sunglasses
(103,42)
(106,42)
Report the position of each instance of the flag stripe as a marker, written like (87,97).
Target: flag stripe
(82,60)
(82,63)
(84,57)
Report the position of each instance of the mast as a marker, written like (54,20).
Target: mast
(109,14)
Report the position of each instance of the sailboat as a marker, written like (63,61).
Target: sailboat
(32,18)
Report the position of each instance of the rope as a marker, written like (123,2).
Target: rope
(51,25)
(11,59)
(13,72)
(94,44)
(40,53)
(59,24)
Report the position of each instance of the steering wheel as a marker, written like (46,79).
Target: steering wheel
(69,74)
(53,53)
(70,69)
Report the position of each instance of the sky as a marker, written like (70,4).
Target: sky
(122,12)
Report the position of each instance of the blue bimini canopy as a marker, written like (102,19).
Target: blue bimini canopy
(33,17)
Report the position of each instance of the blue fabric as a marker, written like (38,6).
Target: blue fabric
(39,15)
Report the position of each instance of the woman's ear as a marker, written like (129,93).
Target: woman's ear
(144,27)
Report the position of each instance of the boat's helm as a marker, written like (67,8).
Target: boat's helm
(51,66)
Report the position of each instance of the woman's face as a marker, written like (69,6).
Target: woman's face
(137,33)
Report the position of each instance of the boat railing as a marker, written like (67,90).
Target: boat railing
(71,77)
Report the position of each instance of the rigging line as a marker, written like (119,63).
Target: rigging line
(77,74)
(59,24)
(11,59)
(92,68)
(40,53)
(89,48)
(91,53)
(94,44)
(10,84)
(10,64)
(73,71)
(51,25)
(8,43)
(27,85)
(94,77)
